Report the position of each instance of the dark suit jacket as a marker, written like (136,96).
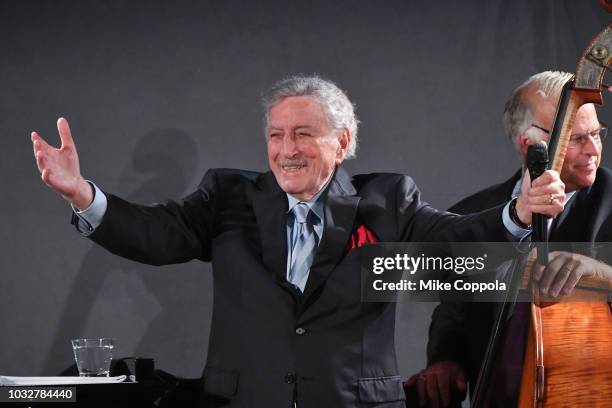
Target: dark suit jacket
(268,341)
(460,331)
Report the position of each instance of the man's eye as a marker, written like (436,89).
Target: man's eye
(274,135)
(577,139)
(304,134)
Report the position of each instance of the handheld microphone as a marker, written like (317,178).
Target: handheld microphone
(537,160)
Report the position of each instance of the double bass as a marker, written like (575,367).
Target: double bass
(568,356)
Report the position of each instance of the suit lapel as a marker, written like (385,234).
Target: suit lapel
(582,217)
(270,208)
(340,212)
(600,197)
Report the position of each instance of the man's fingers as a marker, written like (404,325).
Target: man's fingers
(548,177)
(410,382)
(548,188)
(45,175)
(544,185)
(461,383)
(64,132)
(44,159)
(422,390)
(432,391)
(545,196)
(35,144)
(572,281)
(548,198)
(38,143)
(526,184)
(444,389)
(545,178)
(561,277)
(40,161)
(550,273)
(548,210)
(537,271)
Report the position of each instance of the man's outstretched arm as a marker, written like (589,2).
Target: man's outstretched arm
(165,233)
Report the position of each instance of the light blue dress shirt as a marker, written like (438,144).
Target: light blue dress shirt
(91,217)
(316,206)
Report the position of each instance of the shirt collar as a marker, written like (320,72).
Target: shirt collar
(315,203)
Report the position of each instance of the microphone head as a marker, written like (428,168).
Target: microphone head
(537,153)
(537,159)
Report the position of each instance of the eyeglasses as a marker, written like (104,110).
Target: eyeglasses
(580,139)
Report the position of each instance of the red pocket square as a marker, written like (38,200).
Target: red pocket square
(361,236)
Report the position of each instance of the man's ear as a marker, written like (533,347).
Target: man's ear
(344,139)
(523,142)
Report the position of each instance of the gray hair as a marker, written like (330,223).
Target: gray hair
(518,115)
(338,108)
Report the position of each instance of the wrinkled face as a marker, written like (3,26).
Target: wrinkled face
(581,163)
(303,149)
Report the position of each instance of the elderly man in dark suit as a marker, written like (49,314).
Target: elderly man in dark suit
(459,332)
(289,327)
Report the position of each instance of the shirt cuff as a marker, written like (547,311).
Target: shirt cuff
(515,232)
(91,217)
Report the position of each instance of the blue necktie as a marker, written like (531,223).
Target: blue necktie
(303,246)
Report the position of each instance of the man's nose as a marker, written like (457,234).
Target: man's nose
(290,146)
(591,146)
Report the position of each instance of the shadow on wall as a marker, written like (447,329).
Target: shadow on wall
(166,159)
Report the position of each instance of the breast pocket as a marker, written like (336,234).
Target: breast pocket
(381,389)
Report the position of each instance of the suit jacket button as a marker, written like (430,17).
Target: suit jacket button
(300,330)
(290,378)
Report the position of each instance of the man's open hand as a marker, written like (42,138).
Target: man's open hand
(59,168)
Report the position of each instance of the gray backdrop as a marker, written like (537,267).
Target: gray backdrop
(158,92)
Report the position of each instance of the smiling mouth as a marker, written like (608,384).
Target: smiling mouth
(588,165)
(291,168)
